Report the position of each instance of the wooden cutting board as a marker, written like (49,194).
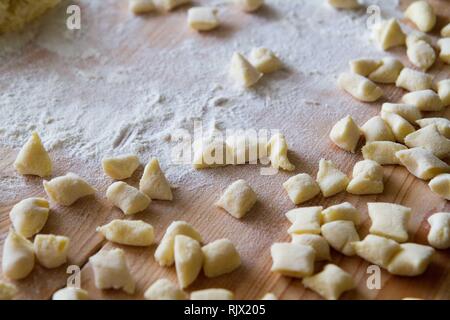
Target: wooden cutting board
(252,235)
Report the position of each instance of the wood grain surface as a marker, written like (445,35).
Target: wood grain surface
(253,235)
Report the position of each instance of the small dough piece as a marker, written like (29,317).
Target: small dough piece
(29,216)
(367,178)
(164,289)
(243,72)
(431,139)
(18,256)
(413,80)
(7,290)
(188,259)
(389,220)
(120,167)
(412,260)
(441,185)
(377,250)
(264,60)
(342,211)
(388,71)
(318,243)
(51,251)
(203,18)
(111,271)
(407,111)
(238,199)
(330,283)
(164,254)
(129,199)
(211,152)
(249,5)
(128,232)
(330,179)
(442,124)
(445,31)
(399,125)
(345,134)
(70,293)
(382,152)
(292,259)
(65,190)
(340,234)
(154,183)
(421,54)
(364,66)
(344,4)
(388,34)
(220,257)
(33,159)
(424,100)
(301,188)
(422,14)
(168,5)
(443,87)
(375,129)
(212,294)
(278,150)
(269,296)
(416,36)
(248,147)
(444,47)
(304,220)
(439,234)
(422,163)
(359,87)
(141,6)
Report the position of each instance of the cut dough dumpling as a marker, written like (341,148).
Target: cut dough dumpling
(421,54)
(29,216)
(212,294)
(188,259)
(344,4)
(128,232)
(304,220)
(120,167)
(301,187)
(445,31)
(269,296)
(440,185)
(422,14)
(51,251)
(154,183)
(7,290)
(389,220)
(294,214)
(376,129)
(422,163)
(399,125)
(249,5)
(278,153)
(238,199)
(364,66)
(220,257)
(388,34)
(388,72)
(330,179)
(170,4)
(203,18)
(412,260)
(424,100)
(382,152)
(367,178)
(377,250)
(342,211)
(164,289)
(345,134)
(359,87)
(18,256)
(413,80)
(442,124)
(439,234)
(444,47)
(129,199)
(340,234)
(431,139)
(70,293)
(243,72)
(33,159)
(443,88)
(407,111)
(292,259)
(141,6)
(318,243)
(264,60)
(65,190)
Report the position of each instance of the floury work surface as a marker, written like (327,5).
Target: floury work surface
(129,84)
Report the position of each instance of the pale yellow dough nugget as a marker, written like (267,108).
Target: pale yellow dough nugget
(421,54)
(431,139)
(18,256)
(292,259)
(376,129)
(278,150)
(304,220)
(330,179)
(439,234)
(388,72)
(367,178)
(424,100)
(318,243)
(243,72)
(443,87)
(440,185)
(422,14)
(345,134)
(70,293)
(203,18)
(388,34)
(364,66)
(264,60)
(164,289)
(344,4)
(444,47)
(120,167)
(301,187)
(141,6)
(154,183)
(129,199)
(65,190)
(413,80)
(399,125)
(220,257)
(377,250)
(237,199)
(382,152)
(341,211)
(29,216)
(170,4)
(340,234)
(128,232)
(412,260)
(7,290)
(249,5)
(269,296)
(407,111)
(442,124)
(188,259)
(422,163)
(389,220)
(33,159)
(51,251)
(359,87)
(445,31)
(212,294)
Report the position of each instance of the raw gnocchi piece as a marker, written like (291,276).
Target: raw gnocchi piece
(415,36)
(330,179)
(413,80)
(412,260)
(301,188)
(442,124)
(424,100)
(237,199)
(170,4)
(407,111)
(29,216)
(399,126)
(439,234)
(264,60)
(278,149)
(389,220)
(33,159)
(128,232)
(242,71)
(220,257)
(111,271)
(129,199)
(445,31)
(367,178)
(377,250)
(422,14)
(292,259)
(341,211)
(188,259)
(164,253)
(269,296)
(318,243)
(345,134)
(304,220)
(211,152)
(50,250)
(141,6)
(249,5)
(70,293)
(422,163)
(344,4)
(164,289)
(154,183)
(431,139)
(388,72)
(65,190)
(444,47)
(443,87)
(375,129)
(359,87)
(7,290)
(212,294)
(330,283)
(441,185)
(421,54)
(382,152)
(340,234)
(388,34)
(120,167)
(364,66)
(203,18)
(18,256)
